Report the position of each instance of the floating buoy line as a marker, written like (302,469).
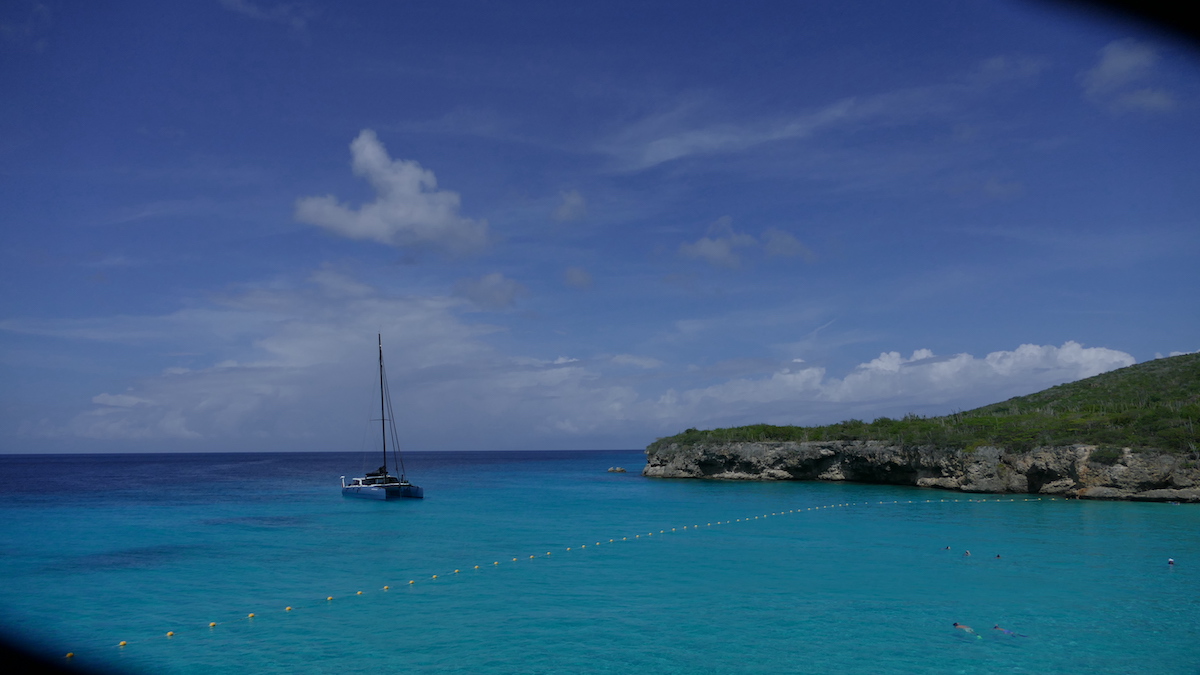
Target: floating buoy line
(215,625)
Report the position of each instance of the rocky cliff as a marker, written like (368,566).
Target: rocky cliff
(1068,471)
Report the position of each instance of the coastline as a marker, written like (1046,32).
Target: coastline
(1069,471)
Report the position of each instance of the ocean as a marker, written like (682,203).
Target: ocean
(545,562)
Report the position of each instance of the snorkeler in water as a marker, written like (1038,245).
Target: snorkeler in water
(966,629)
(1007,632)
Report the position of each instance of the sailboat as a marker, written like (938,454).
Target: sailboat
(380,484)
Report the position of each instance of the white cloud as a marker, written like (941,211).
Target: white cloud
(781,244)
(690,130)
(577,277)
(659,139)
(717,252)
(491,291)
(890,375)
(120,400)
(308,363)
(1121,62)
(717,249)
(573,207)
(894,385)
(1115,79)
(408,210)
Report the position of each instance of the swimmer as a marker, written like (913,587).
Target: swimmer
(966,629)
(1170,561)
(1007,632)
(966,554)
(946,549)
(997,555)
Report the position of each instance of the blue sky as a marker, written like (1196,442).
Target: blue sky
(577,225)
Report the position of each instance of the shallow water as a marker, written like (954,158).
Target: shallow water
(129,547)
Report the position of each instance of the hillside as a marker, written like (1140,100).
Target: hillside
(1148,406)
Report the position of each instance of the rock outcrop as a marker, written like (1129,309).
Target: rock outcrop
(1068,471)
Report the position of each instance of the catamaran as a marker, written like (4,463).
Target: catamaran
(379,484)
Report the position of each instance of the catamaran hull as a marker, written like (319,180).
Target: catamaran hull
(378,492)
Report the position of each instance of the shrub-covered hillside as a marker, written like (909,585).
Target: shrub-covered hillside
(1152,405)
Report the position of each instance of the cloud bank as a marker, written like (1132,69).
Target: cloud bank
(304,380)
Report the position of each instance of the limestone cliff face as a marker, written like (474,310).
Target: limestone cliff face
(1066,471)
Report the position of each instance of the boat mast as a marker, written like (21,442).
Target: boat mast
(382,416)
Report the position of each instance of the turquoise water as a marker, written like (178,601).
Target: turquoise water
(129,547)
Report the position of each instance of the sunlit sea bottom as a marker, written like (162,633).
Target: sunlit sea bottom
(699,576)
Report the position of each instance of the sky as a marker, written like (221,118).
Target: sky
(577,225)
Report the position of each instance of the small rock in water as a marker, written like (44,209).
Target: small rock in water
(616,469)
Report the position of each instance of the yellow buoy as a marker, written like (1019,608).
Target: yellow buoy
(386,587)
(287,609)
(250,615)
(360,593)
(583,546)
(477,567)
(411,582)
(435,576)
(170,633)
(70,654)
(212,624)
(496,563)
(329,598)
(547,552)
(121,643)
(514,560)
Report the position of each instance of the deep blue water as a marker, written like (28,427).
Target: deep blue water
(100,549)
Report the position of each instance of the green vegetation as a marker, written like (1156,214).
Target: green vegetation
(1152,405)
